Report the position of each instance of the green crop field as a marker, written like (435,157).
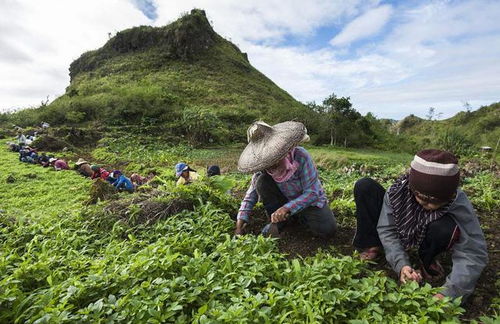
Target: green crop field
(167,254)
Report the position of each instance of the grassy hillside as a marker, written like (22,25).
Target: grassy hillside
(168,76)
(477,128)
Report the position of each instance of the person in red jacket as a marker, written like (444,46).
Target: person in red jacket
(99,173)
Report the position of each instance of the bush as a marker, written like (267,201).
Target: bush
(455,142)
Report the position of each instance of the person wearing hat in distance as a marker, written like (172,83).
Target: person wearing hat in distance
(58,164)
(84,168)
(285,179)
(425,210)
(122,182)
(185,174)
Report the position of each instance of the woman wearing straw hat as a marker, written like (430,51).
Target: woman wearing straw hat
(84,168)
(285,179)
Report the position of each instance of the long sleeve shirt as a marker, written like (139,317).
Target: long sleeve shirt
(102,173)
(302,190)
(469,254)
(123,182)
(60,165)
(85,170)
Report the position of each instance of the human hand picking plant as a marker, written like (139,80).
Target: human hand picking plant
(409,274)
(280,215)
(439,296)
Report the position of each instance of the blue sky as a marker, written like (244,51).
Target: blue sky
(392,58)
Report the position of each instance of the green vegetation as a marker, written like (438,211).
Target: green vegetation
(185,80)
(176,76)
(167,254)
(148,99)
(463,133)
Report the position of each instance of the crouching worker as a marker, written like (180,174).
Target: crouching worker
(58,164)
(84,168)
(285,179)
(122,182)
(213,170)
(423,210)
(185,174)
(102,173)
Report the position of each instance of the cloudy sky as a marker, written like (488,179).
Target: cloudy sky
(392,58)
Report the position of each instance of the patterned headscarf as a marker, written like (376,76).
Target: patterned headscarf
(285,169)
(410,217)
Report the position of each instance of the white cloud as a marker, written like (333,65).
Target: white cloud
(368,24)
(39,40)
(437,53)
(265,20)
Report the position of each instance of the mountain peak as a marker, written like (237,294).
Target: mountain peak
(184,39)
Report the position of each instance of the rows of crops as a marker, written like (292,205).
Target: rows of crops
(62,261)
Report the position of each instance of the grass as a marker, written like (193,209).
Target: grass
(64,262)
(39,192)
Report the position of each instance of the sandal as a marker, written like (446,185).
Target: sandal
(370,254)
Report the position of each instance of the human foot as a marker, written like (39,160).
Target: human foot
(434,273)
(370,254)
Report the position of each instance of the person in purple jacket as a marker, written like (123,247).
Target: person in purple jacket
(58,164)
(285,179)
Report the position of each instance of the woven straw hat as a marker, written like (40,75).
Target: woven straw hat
(81,161)
(269,144)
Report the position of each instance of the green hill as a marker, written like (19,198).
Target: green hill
(475,128)
(168,76)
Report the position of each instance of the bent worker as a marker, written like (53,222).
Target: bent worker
(213,170)
(122,182)
(185,174)
(100,173)
(43,160)
(84,168)
(424,209)
(285,179)
(21,139)
(58,164)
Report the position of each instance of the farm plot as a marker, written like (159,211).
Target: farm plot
(66,262)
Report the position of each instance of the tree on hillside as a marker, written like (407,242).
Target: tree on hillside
(467,106)
(430,113)
(341,117)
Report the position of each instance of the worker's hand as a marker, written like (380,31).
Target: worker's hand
(439,296)
(280,215)
(240,227)
(409,274)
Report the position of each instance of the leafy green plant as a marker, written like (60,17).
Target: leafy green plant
(65,262)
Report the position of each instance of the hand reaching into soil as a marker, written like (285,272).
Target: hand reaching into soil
(280,215)
(409,274)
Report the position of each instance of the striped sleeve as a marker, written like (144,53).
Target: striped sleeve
(248,201)
(309,182)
